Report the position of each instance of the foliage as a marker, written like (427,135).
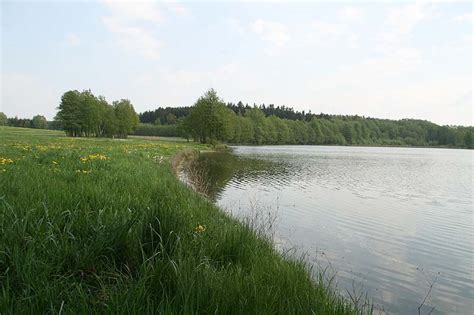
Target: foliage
(171,119)
(210,120)
(39,122)
(3,119)
(156,130)
(132,239)
(160,115)
(126,118)
(83,114)
(19,122)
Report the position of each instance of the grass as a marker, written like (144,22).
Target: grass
(103,226)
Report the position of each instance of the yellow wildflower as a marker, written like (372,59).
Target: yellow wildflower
(91,157)
(200,228)
(4,161)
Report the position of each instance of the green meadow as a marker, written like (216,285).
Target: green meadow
(103,226)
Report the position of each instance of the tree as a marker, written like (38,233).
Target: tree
(126,117)
(90,114)
(83,114)
(39,122)
(318,135)
(69,113)
(469,138)
(109,122)
(171,119)
(208,119)
(246,130)
(3,119)
(347,132)
(257,118)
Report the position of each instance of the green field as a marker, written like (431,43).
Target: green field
(103,226)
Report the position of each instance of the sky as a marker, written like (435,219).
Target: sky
(380,59)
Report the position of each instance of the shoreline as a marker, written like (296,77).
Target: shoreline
(148,244)
(350,145)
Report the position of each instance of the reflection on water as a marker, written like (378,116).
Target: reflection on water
(218,168)
(391,220)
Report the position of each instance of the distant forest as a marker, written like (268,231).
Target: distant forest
(245,124)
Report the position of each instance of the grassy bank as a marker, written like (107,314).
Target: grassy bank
(103,226)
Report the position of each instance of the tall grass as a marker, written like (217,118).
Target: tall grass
(103,226)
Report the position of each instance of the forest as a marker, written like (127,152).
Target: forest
(211,120)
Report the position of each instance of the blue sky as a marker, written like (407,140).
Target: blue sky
(378,59)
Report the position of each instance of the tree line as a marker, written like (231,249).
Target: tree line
(161,115)
(37,122)
(211,120)
(165,116)
(82,114)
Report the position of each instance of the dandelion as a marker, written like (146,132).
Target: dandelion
(4,161)
(91,157)
(200,228)
(42,147)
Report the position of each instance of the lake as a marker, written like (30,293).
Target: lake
(392,222)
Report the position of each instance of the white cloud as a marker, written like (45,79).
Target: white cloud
(178,8)
(236,25)
(324,33)
(401,21)
(134,10)
(328,29)
(73,40)
(404,19)
(273,32)
(132,22)
(134,38)
(468,17)
(351,15)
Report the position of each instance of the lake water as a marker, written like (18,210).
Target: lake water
(391,221)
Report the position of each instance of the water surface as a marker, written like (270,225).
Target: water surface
(391,221)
